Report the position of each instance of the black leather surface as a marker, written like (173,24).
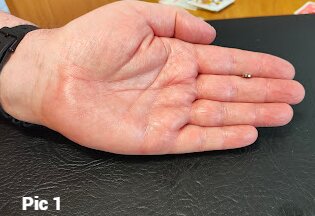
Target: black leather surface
(275,176)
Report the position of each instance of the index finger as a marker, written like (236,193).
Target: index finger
(229,61)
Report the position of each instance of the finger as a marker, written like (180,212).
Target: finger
(255,90)
(194,138)
(211,113)
(167,21)
(228,61)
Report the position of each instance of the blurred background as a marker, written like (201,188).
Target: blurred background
(55,13)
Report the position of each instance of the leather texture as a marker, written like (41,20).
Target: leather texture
(275,176)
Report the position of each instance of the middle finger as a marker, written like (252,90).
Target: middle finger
(253,90)
(208,113)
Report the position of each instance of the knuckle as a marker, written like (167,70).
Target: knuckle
(225,137)
(199,111)
(231,62)
(266,89)
(224,113)
(201,85)
(233,90)
(256,116)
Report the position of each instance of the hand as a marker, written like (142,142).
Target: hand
(139,78)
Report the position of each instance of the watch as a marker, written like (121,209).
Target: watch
(9,40)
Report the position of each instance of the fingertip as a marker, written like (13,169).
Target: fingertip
(245,135)
(299,93)
(279,67)
(285,115)
(250,136)
(207,32)
(275,115)
(290,112)
(291,70)
(288,69)
(212,34)
(194,29)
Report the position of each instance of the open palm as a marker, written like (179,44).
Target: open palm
(139,78)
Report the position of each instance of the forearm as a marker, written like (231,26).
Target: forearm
(10,20)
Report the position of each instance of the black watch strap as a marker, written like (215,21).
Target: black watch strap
(9,40)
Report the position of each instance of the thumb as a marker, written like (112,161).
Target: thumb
(167,21)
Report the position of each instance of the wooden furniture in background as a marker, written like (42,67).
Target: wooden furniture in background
(55,13)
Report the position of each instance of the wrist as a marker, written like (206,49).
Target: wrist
(20,77)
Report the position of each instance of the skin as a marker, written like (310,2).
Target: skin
(140,78)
